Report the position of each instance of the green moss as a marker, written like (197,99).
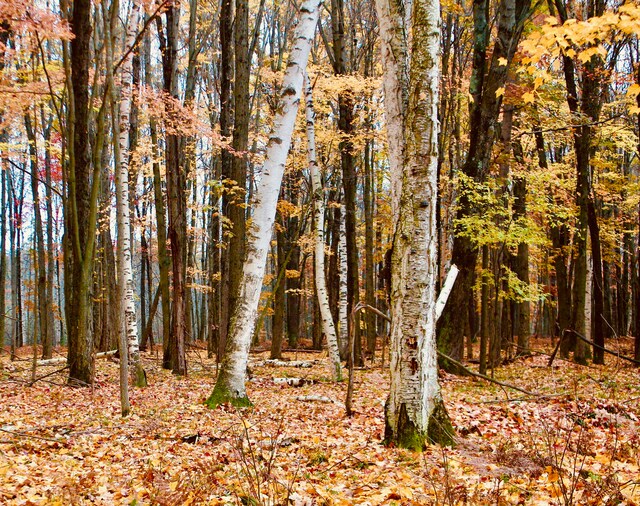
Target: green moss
(407,434)
(440,431)
(221,395)
(140,379)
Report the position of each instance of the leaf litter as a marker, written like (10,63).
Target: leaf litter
(577,443)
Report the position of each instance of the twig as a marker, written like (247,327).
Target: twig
(35,380)
(23,434)
(614,353)
(487,378)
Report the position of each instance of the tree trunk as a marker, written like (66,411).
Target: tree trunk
(279,302)
(349,176)
(175,355)
(328,327)
(44,305)
(484,110)
(80,212)
(414,411)
(123,218)
(230,385)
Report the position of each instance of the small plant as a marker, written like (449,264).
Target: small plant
(562,447)
(261,482)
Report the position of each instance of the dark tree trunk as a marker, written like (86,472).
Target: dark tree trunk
(236,212)
(587,103)
(279,302)
(484,111)
(226,159)
(44,305)
(176,187)
(79,228)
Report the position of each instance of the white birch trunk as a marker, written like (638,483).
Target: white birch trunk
(414,411)
(230,385)
(343,304)
(123,219)
(328,326)
(393,46)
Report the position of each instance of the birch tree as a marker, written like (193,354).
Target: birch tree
(230,384)
(328,327)
(123,218)
(414,412)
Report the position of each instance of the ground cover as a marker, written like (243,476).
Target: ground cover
(575,442)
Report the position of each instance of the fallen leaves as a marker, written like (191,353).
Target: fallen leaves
(70,446)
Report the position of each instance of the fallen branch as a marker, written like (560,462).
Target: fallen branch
(283,363)
(314,398)
(610,352)
(24,434)
(487,378)
(62,360)
(35,380)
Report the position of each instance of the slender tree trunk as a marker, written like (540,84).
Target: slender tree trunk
(279,302)
(123,218)
(328,327)
(230,385)
(44,306)
(3,246)
(237,211)
(343,298)
(49,227)
(349,175)
(164,261)
(226,159)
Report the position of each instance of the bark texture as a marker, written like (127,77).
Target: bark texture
(230,385)
(415,413)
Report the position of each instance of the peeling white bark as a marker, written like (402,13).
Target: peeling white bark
(343,304)
(123,219)
(393,46)
(328,326)
(231,379)
(415,391)
(446,290)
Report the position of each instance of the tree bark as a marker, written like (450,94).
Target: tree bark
(230,385)
(484,110)
(328,327)
(81,209)
(175,356)
(415,412)
(123,218)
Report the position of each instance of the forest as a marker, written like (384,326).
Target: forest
(291,252)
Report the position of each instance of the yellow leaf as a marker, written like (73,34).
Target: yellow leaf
(528,98)
(502,62)
(173,486)
(538,82)
(500,92)
(587,54)
(634,90)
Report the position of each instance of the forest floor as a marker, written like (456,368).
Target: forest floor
(576,442)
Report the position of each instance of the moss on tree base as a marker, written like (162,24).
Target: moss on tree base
(439,431)
(222,395)
(140,377)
